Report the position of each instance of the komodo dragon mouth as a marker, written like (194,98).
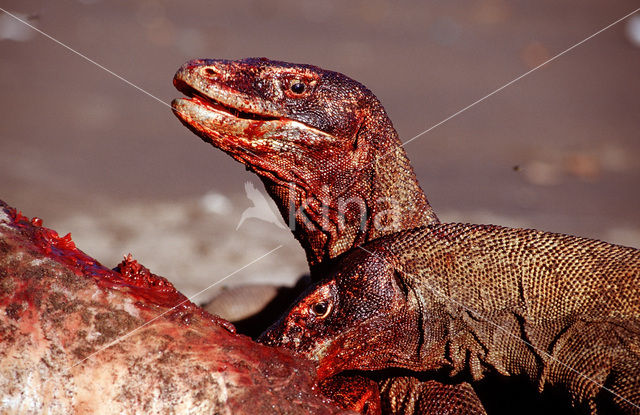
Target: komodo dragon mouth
(234,121)
(231,108)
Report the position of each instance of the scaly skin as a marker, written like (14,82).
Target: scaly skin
(330,148)
(561,311)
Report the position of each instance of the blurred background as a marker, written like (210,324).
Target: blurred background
(557,151)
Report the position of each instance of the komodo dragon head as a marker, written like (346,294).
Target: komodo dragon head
(321,142)
(276,117)
(360,318)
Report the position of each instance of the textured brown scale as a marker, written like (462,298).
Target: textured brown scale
(409,395)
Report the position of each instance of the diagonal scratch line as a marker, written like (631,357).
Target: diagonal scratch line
(518,78)
(381,157)
(164,103)
(85,57)
(119,339)
(438,293)
(124,336)
(88,59)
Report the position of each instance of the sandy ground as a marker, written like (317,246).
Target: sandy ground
(557,151)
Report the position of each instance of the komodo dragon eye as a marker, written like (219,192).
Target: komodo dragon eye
(321,309)
(297,86)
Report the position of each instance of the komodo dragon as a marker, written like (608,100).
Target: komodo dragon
(321,143)
(559,310)
(329,156)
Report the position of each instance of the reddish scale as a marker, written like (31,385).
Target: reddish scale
(129,275)
(254,130)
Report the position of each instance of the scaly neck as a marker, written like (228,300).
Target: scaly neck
(379,194)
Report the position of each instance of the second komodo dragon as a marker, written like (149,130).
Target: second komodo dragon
(561,311)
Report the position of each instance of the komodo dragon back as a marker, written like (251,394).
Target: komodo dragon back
(574,301)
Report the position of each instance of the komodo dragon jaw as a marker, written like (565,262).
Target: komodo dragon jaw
(351,321)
